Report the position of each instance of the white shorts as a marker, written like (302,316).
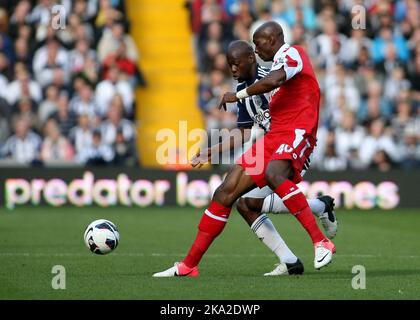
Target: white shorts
(272,202)
(259,193)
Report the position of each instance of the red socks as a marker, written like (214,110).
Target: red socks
(295,201)
(211,225)
(215,217)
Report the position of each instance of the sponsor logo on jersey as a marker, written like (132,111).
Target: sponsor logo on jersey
(262,116)
(257,101)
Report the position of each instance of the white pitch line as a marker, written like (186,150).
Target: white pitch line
(155,254)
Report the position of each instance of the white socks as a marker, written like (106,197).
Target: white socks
(267,233)
(317,206)
(274,204)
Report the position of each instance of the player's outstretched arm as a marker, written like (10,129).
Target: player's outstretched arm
(204,156)
(270,82)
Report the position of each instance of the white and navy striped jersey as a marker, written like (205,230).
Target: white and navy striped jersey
(254,109)
(22,150)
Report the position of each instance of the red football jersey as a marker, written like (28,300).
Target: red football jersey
(295,105)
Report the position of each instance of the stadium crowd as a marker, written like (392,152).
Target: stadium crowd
(368,67)
(67,80)
(66,94)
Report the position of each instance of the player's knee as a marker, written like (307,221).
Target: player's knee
(224,195)
(274,179)
(246,205)
(249,209)
(242,207)
(254,204)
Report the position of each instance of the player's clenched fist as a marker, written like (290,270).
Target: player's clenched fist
(228,97)
(201,158)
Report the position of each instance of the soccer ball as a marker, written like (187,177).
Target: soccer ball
(101,236)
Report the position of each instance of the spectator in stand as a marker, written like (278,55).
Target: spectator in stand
(106,15)
(382,43)
(266,15)
(4,74)
(402,119)
(322,46)
(23,86)
(4,128)
(22,53)
(25,109)
(358,44)
(126,66)
(6,44)
(55,149)
(378,140)
(98,154)
(22,147)
(114,123)
(81,135)
(51,64)
(348,136)
(107,88)
(375,105)
(49,105)
(20,17)
(41,13)
(394,84)
(125,150)
(381,161)
(79,56)
(299,13)
(339,85)
(111,41)
(331,160)
(414,76)
(83,102)
(212,50)
(410,147)
(65,118)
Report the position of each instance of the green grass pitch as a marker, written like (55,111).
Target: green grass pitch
(33,240)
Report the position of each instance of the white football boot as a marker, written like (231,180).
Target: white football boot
(324,251)
(284,269)
(328,218)
(178,270)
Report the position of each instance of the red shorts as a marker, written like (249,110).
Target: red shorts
(294,145)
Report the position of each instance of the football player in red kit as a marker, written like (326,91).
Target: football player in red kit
(276,160)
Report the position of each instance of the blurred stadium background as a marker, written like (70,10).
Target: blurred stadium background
(86,87)
(97,90)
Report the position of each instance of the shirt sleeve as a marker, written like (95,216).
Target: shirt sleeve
(244,119)
(290,61)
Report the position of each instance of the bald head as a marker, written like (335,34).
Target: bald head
(241,60)
(238,49)
(268,29)
(268,39)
